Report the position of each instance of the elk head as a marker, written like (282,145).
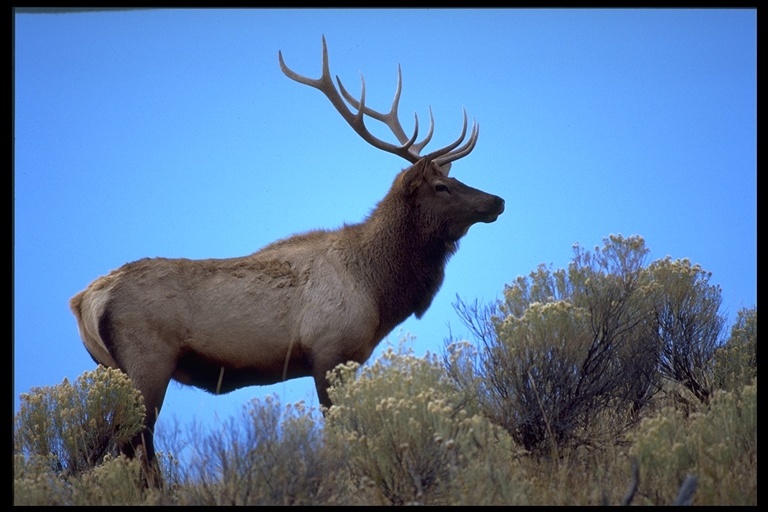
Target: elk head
(458,204)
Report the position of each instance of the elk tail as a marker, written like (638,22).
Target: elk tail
(89,314)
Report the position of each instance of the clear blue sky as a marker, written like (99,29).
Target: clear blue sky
(174,133)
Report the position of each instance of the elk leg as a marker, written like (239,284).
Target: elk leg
(152,382)
(321,385)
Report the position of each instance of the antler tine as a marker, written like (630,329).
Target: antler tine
(419,146)
(446,151)
(463,150)
(325,85)
(391,118)
(392,122)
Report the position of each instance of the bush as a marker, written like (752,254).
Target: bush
(64,437)
(75,425)
(688,325)
(718,444)
(575,357)
(736,362)
(268,456)
(406,442)
(566,360)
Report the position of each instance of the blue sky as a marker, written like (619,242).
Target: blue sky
(174,133)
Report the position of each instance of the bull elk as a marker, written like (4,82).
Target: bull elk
(299,306)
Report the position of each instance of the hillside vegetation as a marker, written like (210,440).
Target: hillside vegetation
(610,382)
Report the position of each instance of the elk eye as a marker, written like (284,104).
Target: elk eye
(441,188)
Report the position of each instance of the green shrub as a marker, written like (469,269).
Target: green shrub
(76,425)
(62,433)
(35,483)
(736,362)
(405,441)
(269,456)
(718,444)
(568,358)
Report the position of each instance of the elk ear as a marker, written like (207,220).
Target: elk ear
(445,169)
(413,176)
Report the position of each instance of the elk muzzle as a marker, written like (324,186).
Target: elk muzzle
(491,211)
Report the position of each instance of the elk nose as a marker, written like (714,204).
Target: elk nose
(499,203)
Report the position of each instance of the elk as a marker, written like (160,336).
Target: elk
(301,305)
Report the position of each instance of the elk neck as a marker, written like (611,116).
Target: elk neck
(400,257)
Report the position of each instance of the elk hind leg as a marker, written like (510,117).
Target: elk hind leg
(152,382)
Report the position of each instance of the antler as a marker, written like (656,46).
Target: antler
(408,148)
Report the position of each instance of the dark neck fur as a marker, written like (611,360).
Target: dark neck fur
(400,258)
